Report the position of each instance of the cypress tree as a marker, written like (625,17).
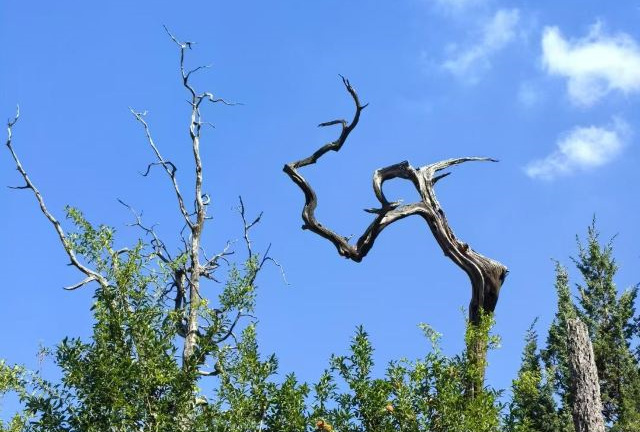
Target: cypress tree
(611,321)
(533,408)
(555,355)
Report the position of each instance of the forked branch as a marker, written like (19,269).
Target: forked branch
(168,166)
(187,277)
(486,275)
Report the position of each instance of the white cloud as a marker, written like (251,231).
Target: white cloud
(582,148)
(496,34)
(594,65)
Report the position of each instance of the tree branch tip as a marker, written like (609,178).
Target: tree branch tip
(182,45)
(440,177)
(123,203)
(12,121)
(346,82)
(333,122)
(80,284)
(138,114)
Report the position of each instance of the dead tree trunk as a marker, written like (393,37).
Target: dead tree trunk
(486,275)
(587,406)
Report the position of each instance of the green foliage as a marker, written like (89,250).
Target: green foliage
(609,318)
(12,380)
(532,407)
(612,324)
(425,395)
(556,353)
(128,375)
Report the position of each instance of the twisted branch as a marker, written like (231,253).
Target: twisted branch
(486,275)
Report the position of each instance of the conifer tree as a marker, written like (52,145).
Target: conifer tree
(555,355)
(610,319)
(533,408)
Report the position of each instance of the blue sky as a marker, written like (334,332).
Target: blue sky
(549,88)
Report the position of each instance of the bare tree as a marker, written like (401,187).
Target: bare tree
(486,275)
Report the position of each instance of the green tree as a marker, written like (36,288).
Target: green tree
(555,355)
(532,407)
(430,394)
(610,318)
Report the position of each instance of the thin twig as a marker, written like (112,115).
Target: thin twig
(168,166)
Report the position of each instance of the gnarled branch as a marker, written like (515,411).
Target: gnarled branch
(486,275)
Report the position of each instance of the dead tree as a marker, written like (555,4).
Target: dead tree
(585,387)
(486,275)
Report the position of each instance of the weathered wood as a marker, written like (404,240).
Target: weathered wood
(587,406)
(486,275)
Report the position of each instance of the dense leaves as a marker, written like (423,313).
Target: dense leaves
(612,324)
(533,407)
(128,375)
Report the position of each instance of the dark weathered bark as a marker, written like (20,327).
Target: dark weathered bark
(587,406)
(486,275)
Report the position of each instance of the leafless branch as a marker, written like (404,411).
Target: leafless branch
(80,284)
(199,68)
(486,275)
(277,264)
(211,264)
(246,226)
(169,167)
(159,248)
(92,275)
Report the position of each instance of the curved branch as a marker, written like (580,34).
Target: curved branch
(486,275)
(344,134)
(91,275)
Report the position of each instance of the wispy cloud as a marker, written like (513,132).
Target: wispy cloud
(500,30)
(529,95)
(594,65)
(458,5)
(581,149)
